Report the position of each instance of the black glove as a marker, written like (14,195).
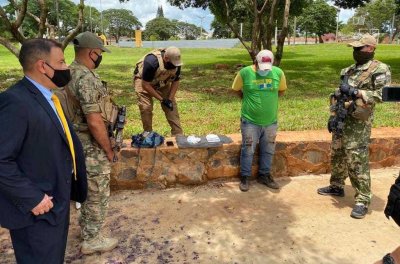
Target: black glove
(167,103)
(348,90)
(331,124)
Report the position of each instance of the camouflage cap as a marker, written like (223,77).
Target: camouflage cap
(365,40)
(89,40)
(174,55)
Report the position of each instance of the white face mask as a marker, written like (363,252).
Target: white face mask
(263,73)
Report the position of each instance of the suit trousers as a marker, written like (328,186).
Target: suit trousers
(41,243)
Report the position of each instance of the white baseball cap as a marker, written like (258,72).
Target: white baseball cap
(265,59)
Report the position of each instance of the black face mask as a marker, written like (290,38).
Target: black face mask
(169,66)
(60,77)
(97,61)
(362,57)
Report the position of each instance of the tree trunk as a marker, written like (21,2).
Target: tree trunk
(235,31)
(270,25)
(306,37)
(263,31)
(43,18)
(6,43)
(13,28)
(320,39)
(78,27)
(282,36)
(255,38)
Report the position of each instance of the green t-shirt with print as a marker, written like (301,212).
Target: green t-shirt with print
(260,95)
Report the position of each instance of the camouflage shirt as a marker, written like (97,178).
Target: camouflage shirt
(90,91)
(357,132)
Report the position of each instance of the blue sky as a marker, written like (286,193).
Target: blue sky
(146,10)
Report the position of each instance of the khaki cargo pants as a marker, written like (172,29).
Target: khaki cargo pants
(145,102)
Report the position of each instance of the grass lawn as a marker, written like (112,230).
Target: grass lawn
(204,99)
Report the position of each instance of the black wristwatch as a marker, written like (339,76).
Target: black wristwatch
(388,259)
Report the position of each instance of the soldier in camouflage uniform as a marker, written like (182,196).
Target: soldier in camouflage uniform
(350,154)
(93,112)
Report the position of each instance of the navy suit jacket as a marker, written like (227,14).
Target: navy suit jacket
(35,159)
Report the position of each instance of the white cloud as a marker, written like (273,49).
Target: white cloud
(146,10)
(346,14)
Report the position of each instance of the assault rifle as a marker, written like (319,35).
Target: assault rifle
(118,127)
(339,110)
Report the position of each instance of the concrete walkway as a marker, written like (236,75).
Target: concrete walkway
(216,223)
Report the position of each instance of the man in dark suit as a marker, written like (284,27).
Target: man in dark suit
(41,158)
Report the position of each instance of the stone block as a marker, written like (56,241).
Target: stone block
(296,153)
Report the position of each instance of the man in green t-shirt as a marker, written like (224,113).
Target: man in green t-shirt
(259,86)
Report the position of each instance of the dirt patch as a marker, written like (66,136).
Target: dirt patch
(216,223)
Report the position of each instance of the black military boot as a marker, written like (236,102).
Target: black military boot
(331,190)
(267,180)
(244,183)
(359,211)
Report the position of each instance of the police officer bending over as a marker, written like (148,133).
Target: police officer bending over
(157,75)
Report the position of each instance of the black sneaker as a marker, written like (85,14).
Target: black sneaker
(331,190)
(267,180)
(244,183)
(359,211)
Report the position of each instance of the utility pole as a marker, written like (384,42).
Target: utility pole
(241,30)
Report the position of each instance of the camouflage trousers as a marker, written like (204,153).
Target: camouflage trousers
(94,209)
(352,163)
(145,102)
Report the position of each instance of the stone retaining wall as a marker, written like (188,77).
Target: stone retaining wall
(297,153)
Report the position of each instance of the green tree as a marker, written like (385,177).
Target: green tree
(120,22)
(397,7)
(185,30)
(350,3)
(92,20)
(261,14)
(377,15)
(160,27)
(318,18)
(221,30)
(39,17)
